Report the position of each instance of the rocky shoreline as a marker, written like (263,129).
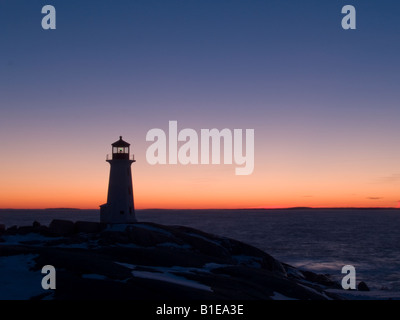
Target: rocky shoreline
(148,261)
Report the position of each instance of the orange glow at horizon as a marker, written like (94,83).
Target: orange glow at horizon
(196,187)
(284,176)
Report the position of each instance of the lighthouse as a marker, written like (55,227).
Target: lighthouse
(119,207)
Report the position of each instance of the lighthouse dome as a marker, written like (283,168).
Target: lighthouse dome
(120,143)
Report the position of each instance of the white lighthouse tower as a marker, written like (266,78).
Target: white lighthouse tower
(119,207)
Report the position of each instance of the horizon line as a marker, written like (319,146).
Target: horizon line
(193,209)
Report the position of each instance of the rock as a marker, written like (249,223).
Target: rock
(321,279)
(43,230)
(12,230)
(145,260)
(25,230)
(62,227)
(89,227)
(36,224)
(264,283)
(238,248)
(204,245)
(147,237)
(362,286)
(113,237)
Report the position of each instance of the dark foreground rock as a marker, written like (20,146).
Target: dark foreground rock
(149,261)
(362,286)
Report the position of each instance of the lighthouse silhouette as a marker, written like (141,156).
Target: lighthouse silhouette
(119,207)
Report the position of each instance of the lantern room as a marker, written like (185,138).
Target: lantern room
(120,149)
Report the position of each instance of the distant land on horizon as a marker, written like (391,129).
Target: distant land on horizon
(220,209)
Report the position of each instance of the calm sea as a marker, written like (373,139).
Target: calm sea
(321,240)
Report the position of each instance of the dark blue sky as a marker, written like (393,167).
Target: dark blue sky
(177,53)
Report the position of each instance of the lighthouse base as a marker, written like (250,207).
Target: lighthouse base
(108,214)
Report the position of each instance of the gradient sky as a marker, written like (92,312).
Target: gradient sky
(324,102)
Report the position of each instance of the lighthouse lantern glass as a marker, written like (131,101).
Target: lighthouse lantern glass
(120,150)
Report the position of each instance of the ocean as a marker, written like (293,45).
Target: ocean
(319,240)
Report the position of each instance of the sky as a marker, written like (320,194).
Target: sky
(323,101)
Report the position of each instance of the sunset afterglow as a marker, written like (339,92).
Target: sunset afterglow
(323,103)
